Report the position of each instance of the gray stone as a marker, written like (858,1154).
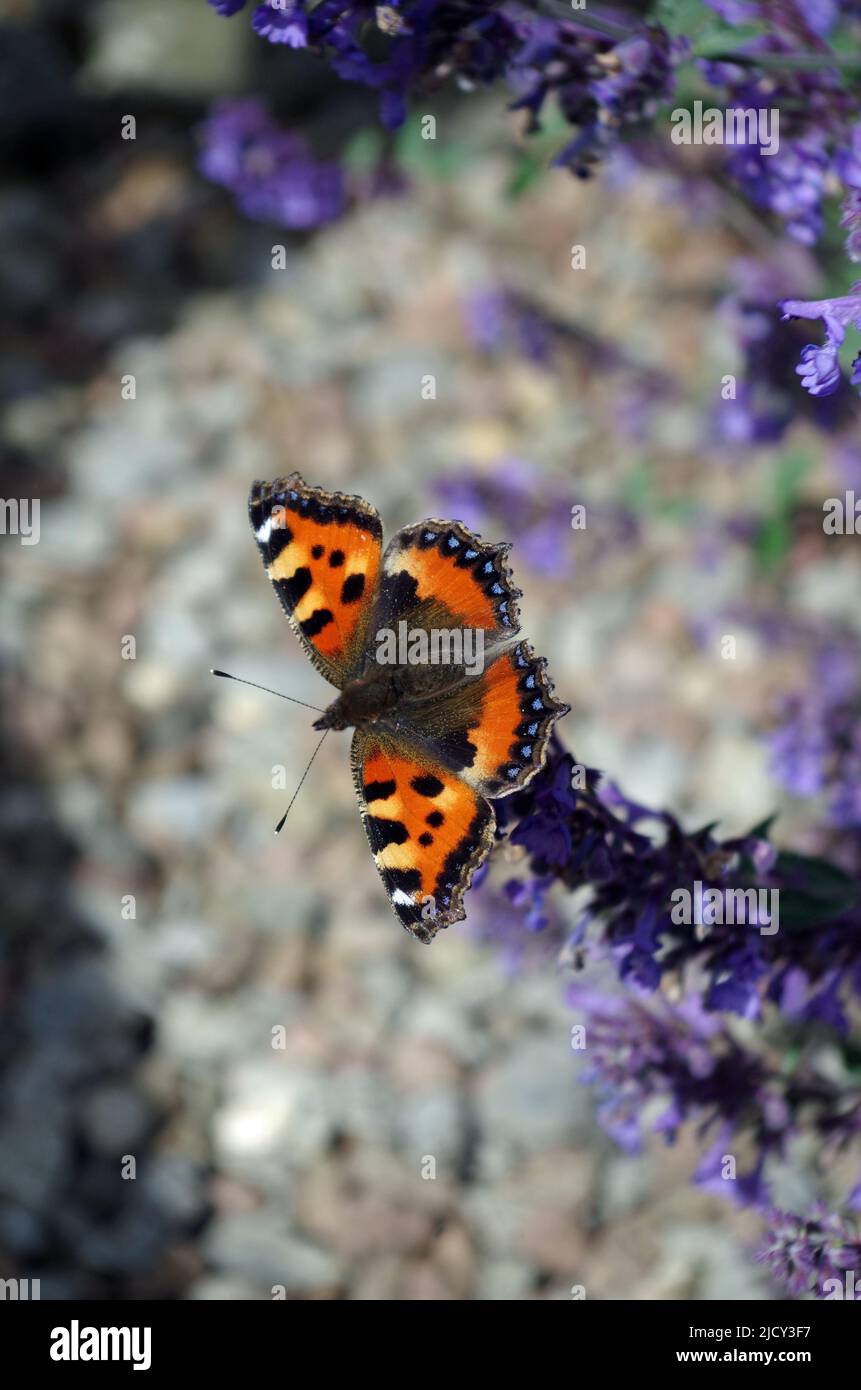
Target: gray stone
(531,1098)
(431,1122)
(256,1247)
(115,1119)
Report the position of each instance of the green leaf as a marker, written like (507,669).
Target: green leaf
(527,169)
(791,469)
(639,487)
(773,541)
(762,829)
(824,890)
(707,32)
(774,538)
(686,17)
(431,158)
(725,39)
(363,152)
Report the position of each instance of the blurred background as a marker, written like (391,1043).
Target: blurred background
(242,1016)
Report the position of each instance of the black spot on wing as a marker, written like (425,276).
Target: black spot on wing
(279,539)
(296,587)
(427,785)
(435,819)
(318,551)
(379,791)
(399,592)
(353,588)
(336,559)
(407,880)
(426,838)
(382,832)
(320,618)
(457,750)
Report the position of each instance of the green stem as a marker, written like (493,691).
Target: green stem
(608,28)
(806,61)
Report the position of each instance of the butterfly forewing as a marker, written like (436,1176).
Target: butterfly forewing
(322,552)
(439,574)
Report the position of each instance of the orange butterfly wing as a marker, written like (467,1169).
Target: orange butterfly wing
(439,573)
(322,551)
(428,830)
(492,729)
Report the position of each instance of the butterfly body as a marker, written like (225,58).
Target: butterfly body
(363,702)
(450,708)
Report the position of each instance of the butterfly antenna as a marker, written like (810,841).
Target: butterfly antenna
(280,824)
(269,691)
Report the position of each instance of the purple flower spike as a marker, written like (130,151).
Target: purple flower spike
(812,1253)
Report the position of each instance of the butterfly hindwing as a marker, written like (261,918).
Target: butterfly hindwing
(439,574)
(322,552)
(492,729)
(428,830)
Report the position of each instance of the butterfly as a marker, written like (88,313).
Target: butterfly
(435,741)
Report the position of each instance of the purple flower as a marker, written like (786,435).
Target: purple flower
(820,15)
(304,195)
(227,7)
(269,171)
(430,39)
(791,182)
(499,320)
(815,110)
(819,370)
(588,838)
(521,501)
(812,1253)
(817,745)
(281,21)
(712,1173)
(766,401)
(799,749)
(602,88)
(546,837)
(644,1054)
(836,314)
(529,899)
(848,166)
(851,220)
(658,1066)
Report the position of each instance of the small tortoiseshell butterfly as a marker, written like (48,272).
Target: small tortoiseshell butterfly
(432,742)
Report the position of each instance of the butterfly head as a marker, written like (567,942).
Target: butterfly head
(362,702)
